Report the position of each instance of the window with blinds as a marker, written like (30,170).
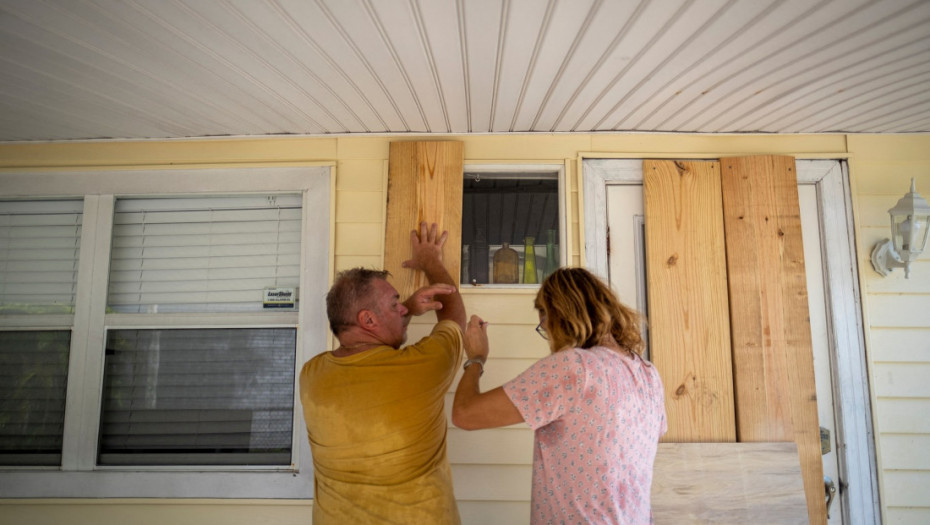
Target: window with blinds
(203,254)
(39,245)
(40,242)
(149,325)
(198,397)
(185,395)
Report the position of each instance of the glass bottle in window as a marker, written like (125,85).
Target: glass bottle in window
(479,258)
(529,261)
(506,265)
(552,254)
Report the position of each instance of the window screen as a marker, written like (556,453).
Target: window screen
(198,397)
(203,254)
(39,246)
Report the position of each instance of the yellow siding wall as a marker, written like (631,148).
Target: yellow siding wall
(492,468)
(897,319)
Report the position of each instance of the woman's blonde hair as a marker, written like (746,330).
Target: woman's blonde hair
(582,311)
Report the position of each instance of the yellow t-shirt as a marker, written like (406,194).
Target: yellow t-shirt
(377,431)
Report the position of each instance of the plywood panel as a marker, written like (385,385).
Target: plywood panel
(728,483)
(424,184)
(773,363)
(688,314)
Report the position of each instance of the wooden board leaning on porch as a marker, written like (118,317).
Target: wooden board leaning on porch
(776,397)
(425,181)
(728,483)
(688,313)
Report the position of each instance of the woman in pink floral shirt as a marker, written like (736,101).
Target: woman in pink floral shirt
(596,405)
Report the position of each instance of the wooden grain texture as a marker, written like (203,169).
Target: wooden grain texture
(425,181)
(688,313)
(728,483)
(773,363)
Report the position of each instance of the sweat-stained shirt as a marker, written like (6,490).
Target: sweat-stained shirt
(598,415)
(377,432)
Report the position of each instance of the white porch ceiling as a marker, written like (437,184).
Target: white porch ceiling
(99,69)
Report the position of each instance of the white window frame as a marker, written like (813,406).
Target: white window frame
(527,171)
(79,476)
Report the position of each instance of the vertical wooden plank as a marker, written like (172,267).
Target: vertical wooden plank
(688,312)
(773,363)
(424,184)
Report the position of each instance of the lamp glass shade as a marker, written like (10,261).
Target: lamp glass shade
(910,225)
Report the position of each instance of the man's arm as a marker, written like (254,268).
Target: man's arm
(427,257)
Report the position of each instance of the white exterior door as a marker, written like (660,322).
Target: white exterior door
(622,261)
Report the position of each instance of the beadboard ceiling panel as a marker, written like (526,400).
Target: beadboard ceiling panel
(134,69)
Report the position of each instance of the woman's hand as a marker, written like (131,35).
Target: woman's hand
(471,409)
(476,338)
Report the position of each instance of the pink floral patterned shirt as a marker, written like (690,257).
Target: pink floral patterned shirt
(598,416)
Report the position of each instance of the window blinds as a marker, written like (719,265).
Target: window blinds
(39,246)
(198,397)
(203,254)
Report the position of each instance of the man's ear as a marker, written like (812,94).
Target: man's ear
(367,319)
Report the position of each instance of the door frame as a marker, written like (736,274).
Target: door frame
(859,494)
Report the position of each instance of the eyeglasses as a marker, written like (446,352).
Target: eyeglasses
(542,331)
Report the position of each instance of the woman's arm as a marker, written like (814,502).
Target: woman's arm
(471,409)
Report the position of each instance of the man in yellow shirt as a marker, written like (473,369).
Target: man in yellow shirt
(374,408)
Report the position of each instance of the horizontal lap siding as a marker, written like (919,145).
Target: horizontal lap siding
(898,325)
(359,213)
(491,468)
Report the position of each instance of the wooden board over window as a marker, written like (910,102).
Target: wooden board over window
(773,363)
(424,184)
(724,253)
(688,314)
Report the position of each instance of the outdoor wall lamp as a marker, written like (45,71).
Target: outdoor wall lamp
(910,222)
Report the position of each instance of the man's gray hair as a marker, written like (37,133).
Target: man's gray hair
(351,292)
